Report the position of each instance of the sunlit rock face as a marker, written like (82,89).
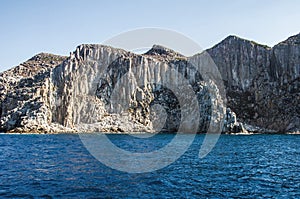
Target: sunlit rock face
(104,89)
(98,82)
(25,90)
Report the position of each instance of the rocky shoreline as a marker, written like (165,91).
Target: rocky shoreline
(142,133)
(50,94)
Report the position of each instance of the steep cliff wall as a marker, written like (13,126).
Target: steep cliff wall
(262,83)
(98,82)
(101,88)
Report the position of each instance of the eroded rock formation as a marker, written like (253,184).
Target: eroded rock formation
(101,88)
(262,83)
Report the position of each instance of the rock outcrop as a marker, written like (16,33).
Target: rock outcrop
(262,83)
(101,88)
(24,93)
(98,82)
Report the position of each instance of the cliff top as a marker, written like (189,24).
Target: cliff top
(47,60)
(293,40)
(163,53)
(233,39)
(46,57)
(81,47)
(162,50)
(39,62)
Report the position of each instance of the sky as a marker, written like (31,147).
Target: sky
(58,26)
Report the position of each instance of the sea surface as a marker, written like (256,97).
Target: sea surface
(240,166)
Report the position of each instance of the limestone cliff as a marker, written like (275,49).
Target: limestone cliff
(99,82)
(101,88)
(262,83)
(24,90)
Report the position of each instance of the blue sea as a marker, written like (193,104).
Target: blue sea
(239,166)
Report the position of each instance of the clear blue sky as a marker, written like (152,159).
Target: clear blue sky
(58,26)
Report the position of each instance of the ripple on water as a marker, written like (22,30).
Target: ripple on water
(51,166)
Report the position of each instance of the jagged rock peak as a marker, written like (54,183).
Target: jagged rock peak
(158,50)
(233,39)
(293,40)
(84,50)
(97,46)
(47,57)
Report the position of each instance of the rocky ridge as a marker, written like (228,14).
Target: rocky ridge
(262,83)
(96,89)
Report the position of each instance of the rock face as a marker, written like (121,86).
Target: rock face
(24,94)
(99,82)
(101,88)
(262,83)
